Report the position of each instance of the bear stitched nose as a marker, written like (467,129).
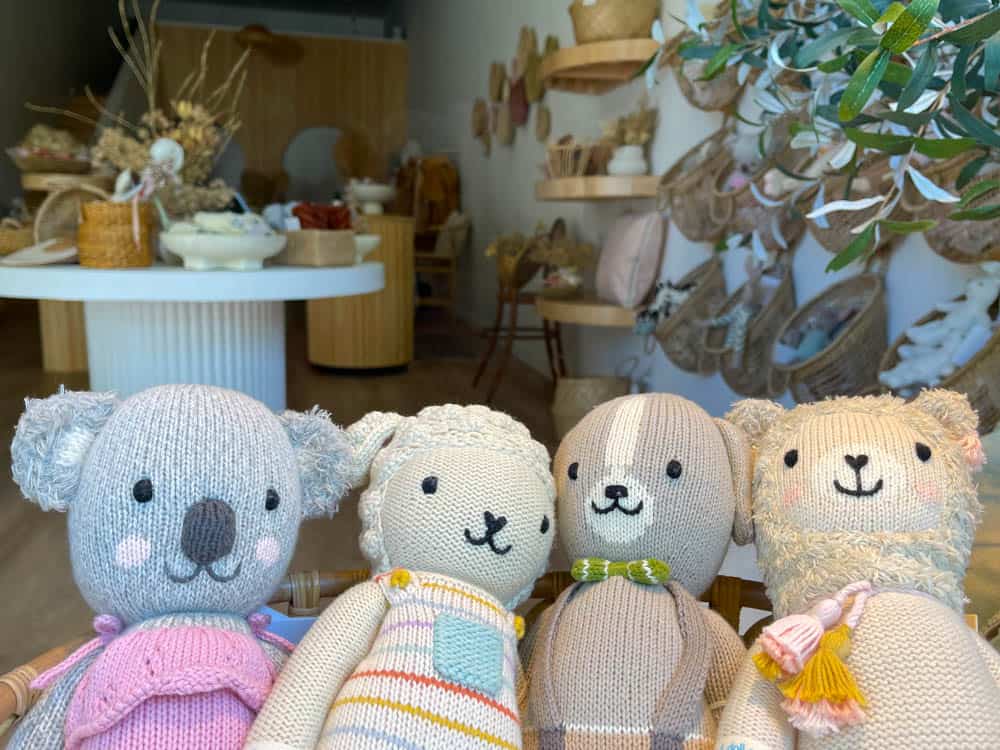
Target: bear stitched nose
(615,492)
(857,462)
(209,531)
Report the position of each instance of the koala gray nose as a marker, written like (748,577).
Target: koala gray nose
(857,462)
(209,531)
(615,492)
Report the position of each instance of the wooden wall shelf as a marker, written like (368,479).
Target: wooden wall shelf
(598,187)
(585,312)
(598,67)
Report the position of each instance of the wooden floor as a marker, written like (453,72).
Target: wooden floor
(41,605)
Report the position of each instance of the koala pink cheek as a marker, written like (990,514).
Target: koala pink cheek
(268,550)
(132,552)
(928,492)
(792,495)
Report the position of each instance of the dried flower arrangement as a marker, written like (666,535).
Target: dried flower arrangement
(633,129)
(560,250)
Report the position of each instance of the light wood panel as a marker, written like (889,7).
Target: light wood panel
(599,187)
(372,330)
(585,312)
(355,85)
(64,337)
(596,68)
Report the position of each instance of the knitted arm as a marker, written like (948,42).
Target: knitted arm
(753,719)
(991,656)
(728,655)
(43,727)
(293,716)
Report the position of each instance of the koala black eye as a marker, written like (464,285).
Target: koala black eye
(429,485)
(574,470)
(674,469)
(545,524)
(791,458)
(272,500)
(142,491)
(923,452)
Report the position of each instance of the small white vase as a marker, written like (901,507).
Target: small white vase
(628,160)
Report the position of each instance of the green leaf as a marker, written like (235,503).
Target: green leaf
(891,144)
(863,10)
(982,213)
(734,11)
(991,62)
(863,38)
(907,120)
(718,62)
(978,190)
(922,73)
(897,73)
(909,26)
(812,51)
(958,88)
(861,245)
(973,125)
(907,227)
(698,51)
(982,28)
(970,170)
(953,10)
(863,83)
(890,14)
(837,63)
(944,148)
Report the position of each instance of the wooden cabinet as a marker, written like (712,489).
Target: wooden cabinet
(373,330)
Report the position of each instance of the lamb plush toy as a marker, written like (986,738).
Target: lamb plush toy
(864,511)
(457,522)
(184,506)
(651,489)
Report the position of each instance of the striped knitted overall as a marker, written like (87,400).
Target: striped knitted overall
(441,672)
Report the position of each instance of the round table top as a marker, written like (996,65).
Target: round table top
(161,283)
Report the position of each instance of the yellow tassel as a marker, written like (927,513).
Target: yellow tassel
(768,667)
(825,676)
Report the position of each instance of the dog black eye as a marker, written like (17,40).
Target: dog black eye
(545,524)
(923,452)
(429,485)
(574,470)
(674,469)
(142,491)
(272,500)
(791,458)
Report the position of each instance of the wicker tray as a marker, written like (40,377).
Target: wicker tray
(680,336)
(606,20)
(50,164)
(317,247)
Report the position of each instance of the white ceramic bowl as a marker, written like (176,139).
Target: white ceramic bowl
(236,252)
(365,244)
(372,195)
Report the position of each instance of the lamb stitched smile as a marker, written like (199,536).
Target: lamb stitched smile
(615,506)
(198,570)
(494,524)
(859,491)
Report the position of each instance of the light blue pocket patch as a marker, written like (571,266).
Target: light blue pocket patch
(469,654)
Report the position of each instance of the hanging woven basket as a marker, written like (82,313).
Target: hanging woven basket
(712,95)
(977,378)
(686,189)
(849,365)
(680,336)
(607,20)
(574,397)
(836,234)
(749,373)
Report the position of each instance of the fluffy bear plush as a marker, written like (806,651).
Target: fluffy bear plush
(864,511)
(650,491)
(184,504)
(457,523)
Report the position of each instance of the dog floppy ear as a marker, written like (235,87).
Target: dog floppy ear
(51,443)
(741,466)
(755,416)
(324,458)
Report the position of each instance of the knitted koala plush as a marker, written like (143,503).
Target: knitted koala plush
(184,505)
(864,510)
(651,490)
(457,523)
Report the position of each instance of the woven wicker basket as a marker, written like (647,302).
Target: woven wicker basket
(106,239)
(48,164)
(850,364)
(606,20)
(837,235)
(60,214)
(686,189)
(14,236)
(712,95)
(574,397)
(568,160)
(977,378)
(752,376)
(680,336)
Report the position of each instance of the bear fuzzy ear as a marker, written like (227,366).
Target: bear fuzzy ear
(755,417)
(51,442)
(741,466)
(324,458)
(956,414)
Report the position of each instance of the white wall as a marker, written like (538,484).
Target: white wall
(452,45)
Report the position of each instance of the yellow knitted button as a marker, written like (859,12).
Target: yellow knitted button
(519,627)
(400,578)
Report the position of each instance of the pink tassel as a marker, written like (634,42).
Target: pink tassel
(973,449)
(791,640)
(822,718)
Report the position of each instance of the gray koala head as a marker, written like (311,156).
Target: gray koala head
(180,498)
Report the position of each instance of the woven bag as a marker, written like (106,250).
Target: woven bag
(686,189)
(680,336)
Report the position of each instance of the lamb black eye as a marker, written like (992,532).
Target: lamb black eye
(574,470)
(272,500)
(923,452)
(142,491)
(429,485)
(674,469)
(545,524)
(791,458)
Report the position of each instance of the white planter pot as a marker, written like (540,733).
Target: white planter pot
(628,160)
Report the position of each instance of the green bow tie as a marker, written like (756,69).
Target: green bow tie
(649,571)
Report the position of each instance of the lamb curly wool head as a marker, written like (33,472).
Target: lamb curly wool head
(462,491)
(863,489)
(180,498)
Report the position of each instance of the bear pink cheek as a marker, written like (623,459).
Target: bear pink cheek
(268,550)
(792,495)
(928,492)
(132,552)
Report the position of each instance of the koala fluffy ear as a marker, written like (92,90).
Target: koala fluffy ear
(755,417)
(51,442)
(741,466)
(956,414)
(367,437)
(324,458)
